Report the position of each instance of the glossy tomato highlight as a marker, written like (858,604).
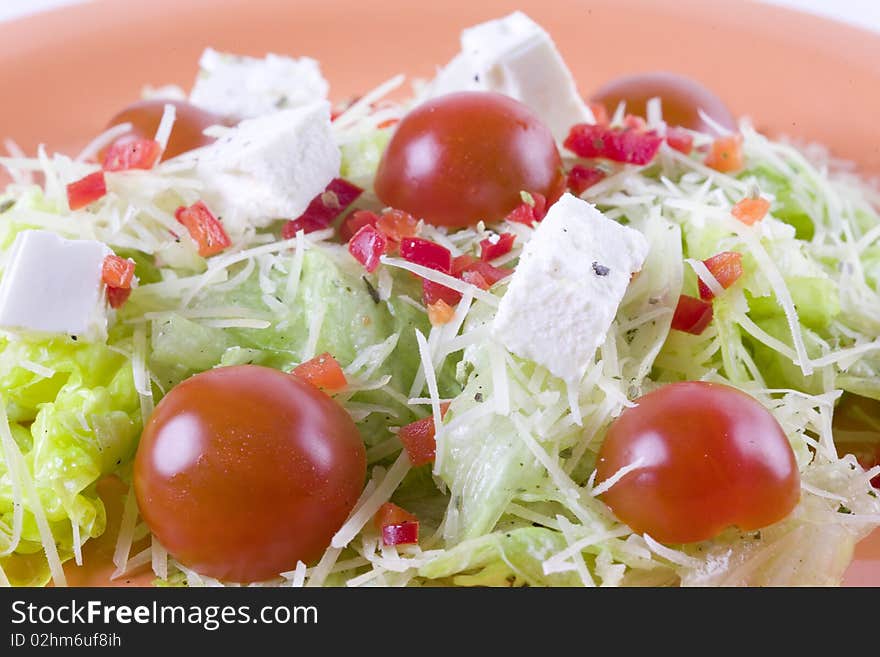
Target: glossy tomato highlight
(465,157)
(243,471)
(711,457)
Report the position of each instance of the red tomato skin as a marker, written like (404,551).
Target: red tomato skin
(243,471)
(186,134)
(682,98)
(713,457)
(465,157)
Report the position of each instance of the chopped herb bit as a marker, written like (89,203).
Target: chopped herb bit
(5,205)
(843,509)
(374,295)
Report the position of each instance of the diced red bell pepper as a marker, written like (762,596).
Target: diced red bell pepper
(626,146)
(397,224)
(462,263)
(117,296)
(691,315)
(418,441)
(529,213)
(726,267)
(391,514)
(322,371)
(406,533)
(355,221)
(726,154)
(85,191)
(398,526)
(426,253)
(502,245)
(433,292)
(304,224)
(680,139)
(131,153)
(117,272)
(204,228)
(324,208)
(751,210)
(476,279)
(367,246)
(581,178)
(489,273)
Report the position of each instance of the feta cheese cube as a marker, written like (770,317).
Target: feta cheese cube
(516,57)
(269,168)
(245,87)
(566,289)
(53,285)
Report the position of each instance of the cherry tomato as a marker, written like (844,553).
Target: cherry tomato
(186,134)
(460,158)
(856,428)
(243,471)
(682,98)
(712,457)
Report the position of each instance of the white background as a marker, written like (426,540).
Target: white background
(865,13)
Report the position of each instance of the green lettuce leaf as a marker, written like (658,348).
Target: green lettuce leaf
(512,558)
(73,423)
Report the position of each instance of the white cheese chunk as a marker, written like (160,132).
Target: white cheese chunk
(515,56)
(270,167)
(53,285)
(246,87)
(566,289)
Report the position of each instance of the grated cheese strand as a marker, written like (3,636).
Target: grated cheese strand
(125,538)
(166,124)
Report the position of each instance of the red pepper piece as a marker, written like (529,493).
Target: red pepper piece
(691,315)
(367,246)
(204,228)
(85,191)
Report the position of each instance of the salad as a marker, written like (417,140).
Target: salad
(491,335)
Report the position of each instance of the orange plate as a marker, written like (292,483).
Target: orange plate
(65,73)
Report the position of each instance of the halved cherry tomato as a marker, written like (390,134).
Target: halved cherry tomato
(465,157)
(682,98)
(243,471)
(186,134)
(711,457)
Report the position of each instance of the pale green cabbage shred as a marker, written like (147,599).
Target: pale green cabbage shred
(511,498)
